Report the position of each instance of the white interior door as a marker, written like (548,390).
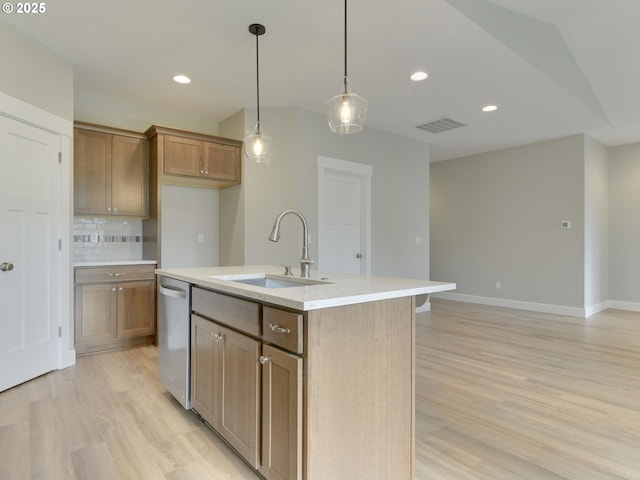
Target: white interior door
(343,206)
(29,253)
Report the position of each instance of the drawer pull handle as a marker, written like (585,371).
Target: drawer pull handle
(264,359)
(279,329)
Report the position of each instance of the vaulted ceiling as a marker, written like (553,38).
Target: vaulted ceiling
(553,67)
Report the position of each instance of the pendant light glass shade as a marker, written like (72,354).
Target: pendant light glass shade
(257,146)
(346,111)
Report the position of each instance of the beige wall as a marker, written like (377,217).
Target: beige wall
(35,74)
(624,224)
(495,217)
(400,186)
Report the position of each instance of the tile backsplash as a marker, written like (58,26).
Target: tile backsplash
(106,239)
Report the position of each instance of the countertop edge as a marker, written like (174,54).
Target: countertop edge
(316,298)
(108,263)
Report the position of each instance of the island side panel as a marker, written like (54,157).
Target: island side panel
(359,391)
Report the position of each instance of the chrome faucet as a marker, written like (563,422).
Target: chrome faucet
(305,261)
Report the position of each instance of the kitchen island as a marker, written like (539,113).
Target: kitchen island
(307,378)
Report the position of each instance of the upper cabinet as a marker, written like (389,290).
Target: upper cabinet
(193,159)
(111,172)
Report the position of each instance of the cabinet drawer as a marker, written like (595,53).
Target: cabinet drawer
(114,273)
(282,328)
(234,312)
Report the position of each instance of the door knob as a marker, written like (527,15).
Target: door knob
(6,266)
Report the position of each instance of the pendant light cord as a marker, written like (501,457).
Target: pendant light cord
(258,78)
(345,45)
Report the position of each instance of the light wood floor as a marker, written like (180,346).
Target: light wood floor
(501,394)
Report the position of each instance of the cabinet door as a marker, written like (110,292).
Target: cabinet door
(240,394)
(95,313)
(136,308)
(183,156)
(129,176)
(91,172)
(281,415)
(221,162)
(206,369)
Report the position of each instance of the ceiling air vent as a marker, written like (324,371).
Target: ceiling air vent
(441,125)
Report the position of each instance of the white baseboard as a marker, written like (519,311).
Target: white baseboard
(597,308)
(541,307)
(67,359)
(517,304)
(618,305)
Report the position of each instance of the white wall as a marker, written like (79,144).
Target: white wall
(231,206)
(400,186)
(596,213)
(624,226)
(187,213)
(112,111)
(495,217)
(35,74)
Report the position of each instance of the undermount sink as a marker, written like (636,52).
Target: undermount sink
(271,281)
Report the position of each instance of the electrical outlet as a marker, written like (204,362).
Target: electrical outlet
(201,238)
(498,286)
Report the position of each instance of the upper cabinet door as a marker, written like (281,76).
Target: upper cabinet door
(183,156)
(130,176)
(111,172)
(92,172)
(222,162)
(192,159)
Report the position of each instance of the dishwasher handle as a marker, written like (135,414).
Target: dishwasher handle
(173,292)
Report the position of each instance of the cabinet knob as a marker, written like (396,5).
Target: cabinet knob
(206,172)
(201,172)
(216,336)
(115,210)
(120,289)
(6,266)
(264,359)
(113,289)
(108,209)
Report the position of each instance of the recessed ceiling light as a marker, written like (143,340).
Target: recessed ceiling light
(181,79)
(489,108)
(418,76)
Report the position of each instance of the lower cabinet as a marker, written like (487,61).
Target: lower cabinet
(325,394)
(226,384)
(114,307)
(250,392)
(281,415)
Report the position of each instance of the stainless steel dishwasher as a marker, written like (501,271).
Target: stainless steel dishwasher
(174,332)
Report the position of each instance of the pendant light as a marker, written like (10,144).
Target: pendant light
(347,110)
(257,146)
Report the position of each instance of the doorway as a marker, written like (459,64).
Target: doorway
(344,216)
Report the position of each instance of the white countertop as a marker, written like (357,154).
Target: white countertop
(340,289)
(107,263)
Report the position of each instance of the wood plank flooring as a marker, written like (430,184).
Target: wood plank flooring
(501,394)
(509,394)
